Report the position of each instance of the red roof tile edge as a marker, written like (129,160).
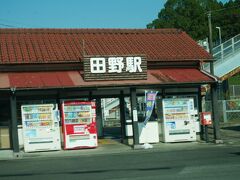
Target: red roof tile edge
(88,31)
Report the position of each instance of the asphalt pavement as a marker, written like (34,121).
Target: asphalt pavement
(210,162)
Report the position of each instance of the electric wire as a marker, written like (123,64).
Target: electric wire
(7,25)
(222,9)
(12,24)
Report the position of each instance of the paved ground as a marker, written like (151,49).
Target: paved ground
(191,161)
(230,134)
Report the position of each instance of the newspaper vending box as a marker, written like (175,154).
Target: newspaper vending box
(206,118)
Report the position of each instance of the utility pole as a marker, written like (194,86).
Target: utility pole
(210,40)
(214,88)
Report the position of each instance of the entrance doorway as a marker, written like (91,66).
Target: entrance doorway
(111,118)
(5,117)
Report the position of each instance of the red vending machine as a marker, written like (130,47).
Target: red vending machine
(79,124)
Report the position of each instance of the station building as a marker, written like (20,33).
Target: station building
(39,66)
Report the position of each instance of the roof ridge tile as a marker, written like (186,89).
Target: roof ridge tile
(86,31)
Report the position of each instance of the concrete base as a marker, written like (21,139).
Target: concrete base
(138,146)
(143,146)
(218,141)
(128,141)
(17,155)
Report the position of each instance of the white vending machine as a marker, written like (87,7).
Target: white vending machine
(178,121)
(41,130)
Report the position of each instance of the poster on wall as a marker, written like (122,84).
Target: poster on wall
(177,122)
(79,124)
(40,127)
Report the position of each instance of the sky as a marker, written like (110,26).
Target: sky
(78,13)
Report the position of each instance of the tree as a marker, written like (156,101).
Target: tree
(191,16)
(229,19)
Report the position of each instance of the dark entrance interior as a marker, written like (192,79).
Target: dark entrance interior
(5,116)
(111,118)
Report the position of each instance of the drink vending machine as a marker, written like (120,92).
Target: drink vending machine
(178,120)
(79,124)
(40,127)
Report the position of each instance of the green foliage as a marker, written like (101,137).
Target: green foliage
(191,17)
(234,80)
(230,19)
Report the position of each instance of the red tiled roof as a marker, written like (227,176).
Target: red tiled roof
(74,79)
(69,45)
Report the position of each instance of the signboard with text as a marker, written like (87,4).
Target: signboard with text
(115,67)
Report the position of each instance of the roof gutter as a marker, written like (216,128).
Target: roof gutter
(210,75)
(13,90)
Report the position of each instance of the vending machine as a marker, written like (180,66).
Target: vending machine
(40,125)
(79,124)
(178,121)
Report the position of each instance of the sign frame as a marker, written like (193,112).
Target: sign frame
(104,70)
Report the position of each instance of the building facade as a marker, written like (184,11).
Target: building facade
(39,66)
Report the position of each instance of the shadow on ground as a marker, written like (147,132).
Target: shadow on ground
(232,128)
